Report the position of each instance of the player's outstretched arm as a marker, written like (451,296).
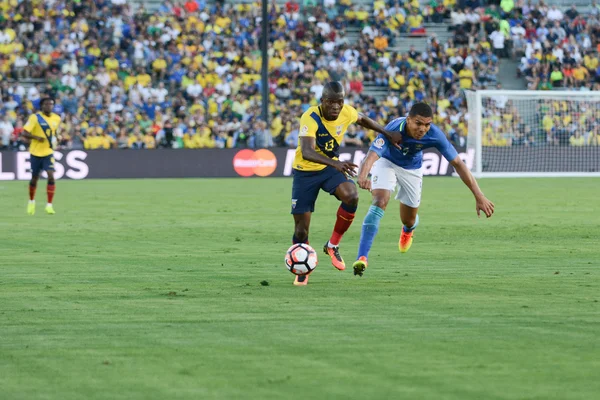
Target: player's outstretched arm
(307,144)
(365,167)
(481,202)
(366,122)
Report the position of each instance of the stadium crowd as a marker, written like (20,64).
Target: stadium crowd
(553,122)
(557,48)
(188,74)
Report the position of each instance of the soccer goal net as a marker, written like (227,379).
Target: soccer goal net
(516,133)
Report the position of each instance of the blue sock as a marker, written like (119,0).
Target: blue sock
(369,230)
(412,228)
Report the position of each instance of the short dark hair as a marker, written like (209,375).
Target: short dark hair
(332,88)
(45,99)
(421,109)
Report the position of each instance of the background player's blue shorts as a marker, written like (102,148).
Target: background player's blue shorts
(307,184)
(39,164)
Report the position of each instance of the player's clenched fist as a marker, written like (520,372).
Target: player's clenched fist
(364,183)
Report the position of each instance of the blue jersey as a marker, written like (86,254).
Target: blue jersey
(410,156)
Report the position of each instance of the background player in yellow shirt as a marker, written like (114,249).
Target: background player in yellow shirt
(41,129)
(317,166)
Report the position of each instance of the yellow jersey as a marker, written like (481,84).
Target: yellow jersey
(465,77)
(328,135)
(43,126)
(93,142)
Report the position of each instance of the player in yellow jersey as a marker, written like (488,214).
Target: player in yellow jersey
(316,166)
(41,129)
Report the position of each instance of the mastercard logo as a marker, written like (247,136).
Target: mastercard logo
(249,162)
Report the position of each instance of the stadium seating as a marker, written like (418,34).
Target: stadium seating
(127,75)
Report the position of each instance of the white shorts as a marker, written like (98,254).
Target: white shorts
(385,175)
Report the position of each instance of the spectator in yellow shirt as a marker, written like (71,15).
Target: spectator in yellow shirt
(143,78)
(111,63)
(159,67)
(577,139)
(380,43)
(129,81)
(223,22)
(548,123)
(397,82)
(206,138)
(107,141)
(396,21)
(414,20)
(149,141)
(188,141)
(136,140)
(465,77)
(322,75)
(593,138)
(378,5)
(362,15)
(92,140)
(590,62)
(580,73)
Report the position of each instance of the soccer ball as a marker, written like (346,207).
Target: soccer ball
(301,259)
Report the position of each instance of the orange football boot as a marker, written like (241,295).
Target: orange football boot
(406,239)
(336,259)
(301,280)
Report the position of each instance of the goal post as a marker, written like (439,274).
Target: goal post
(525,133)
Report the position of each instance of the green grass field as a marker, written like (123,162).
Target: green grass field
(151,289)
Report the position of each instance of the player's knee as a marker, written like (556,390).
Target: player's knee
(352,199)
(33,181)
(301,234)
(50,181)
(380,202)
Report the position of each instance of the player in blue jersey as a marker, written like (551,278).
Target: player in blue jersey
(391,166)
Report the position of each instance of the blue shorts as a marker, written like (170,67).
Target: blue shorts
(307,184)
(39,164)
